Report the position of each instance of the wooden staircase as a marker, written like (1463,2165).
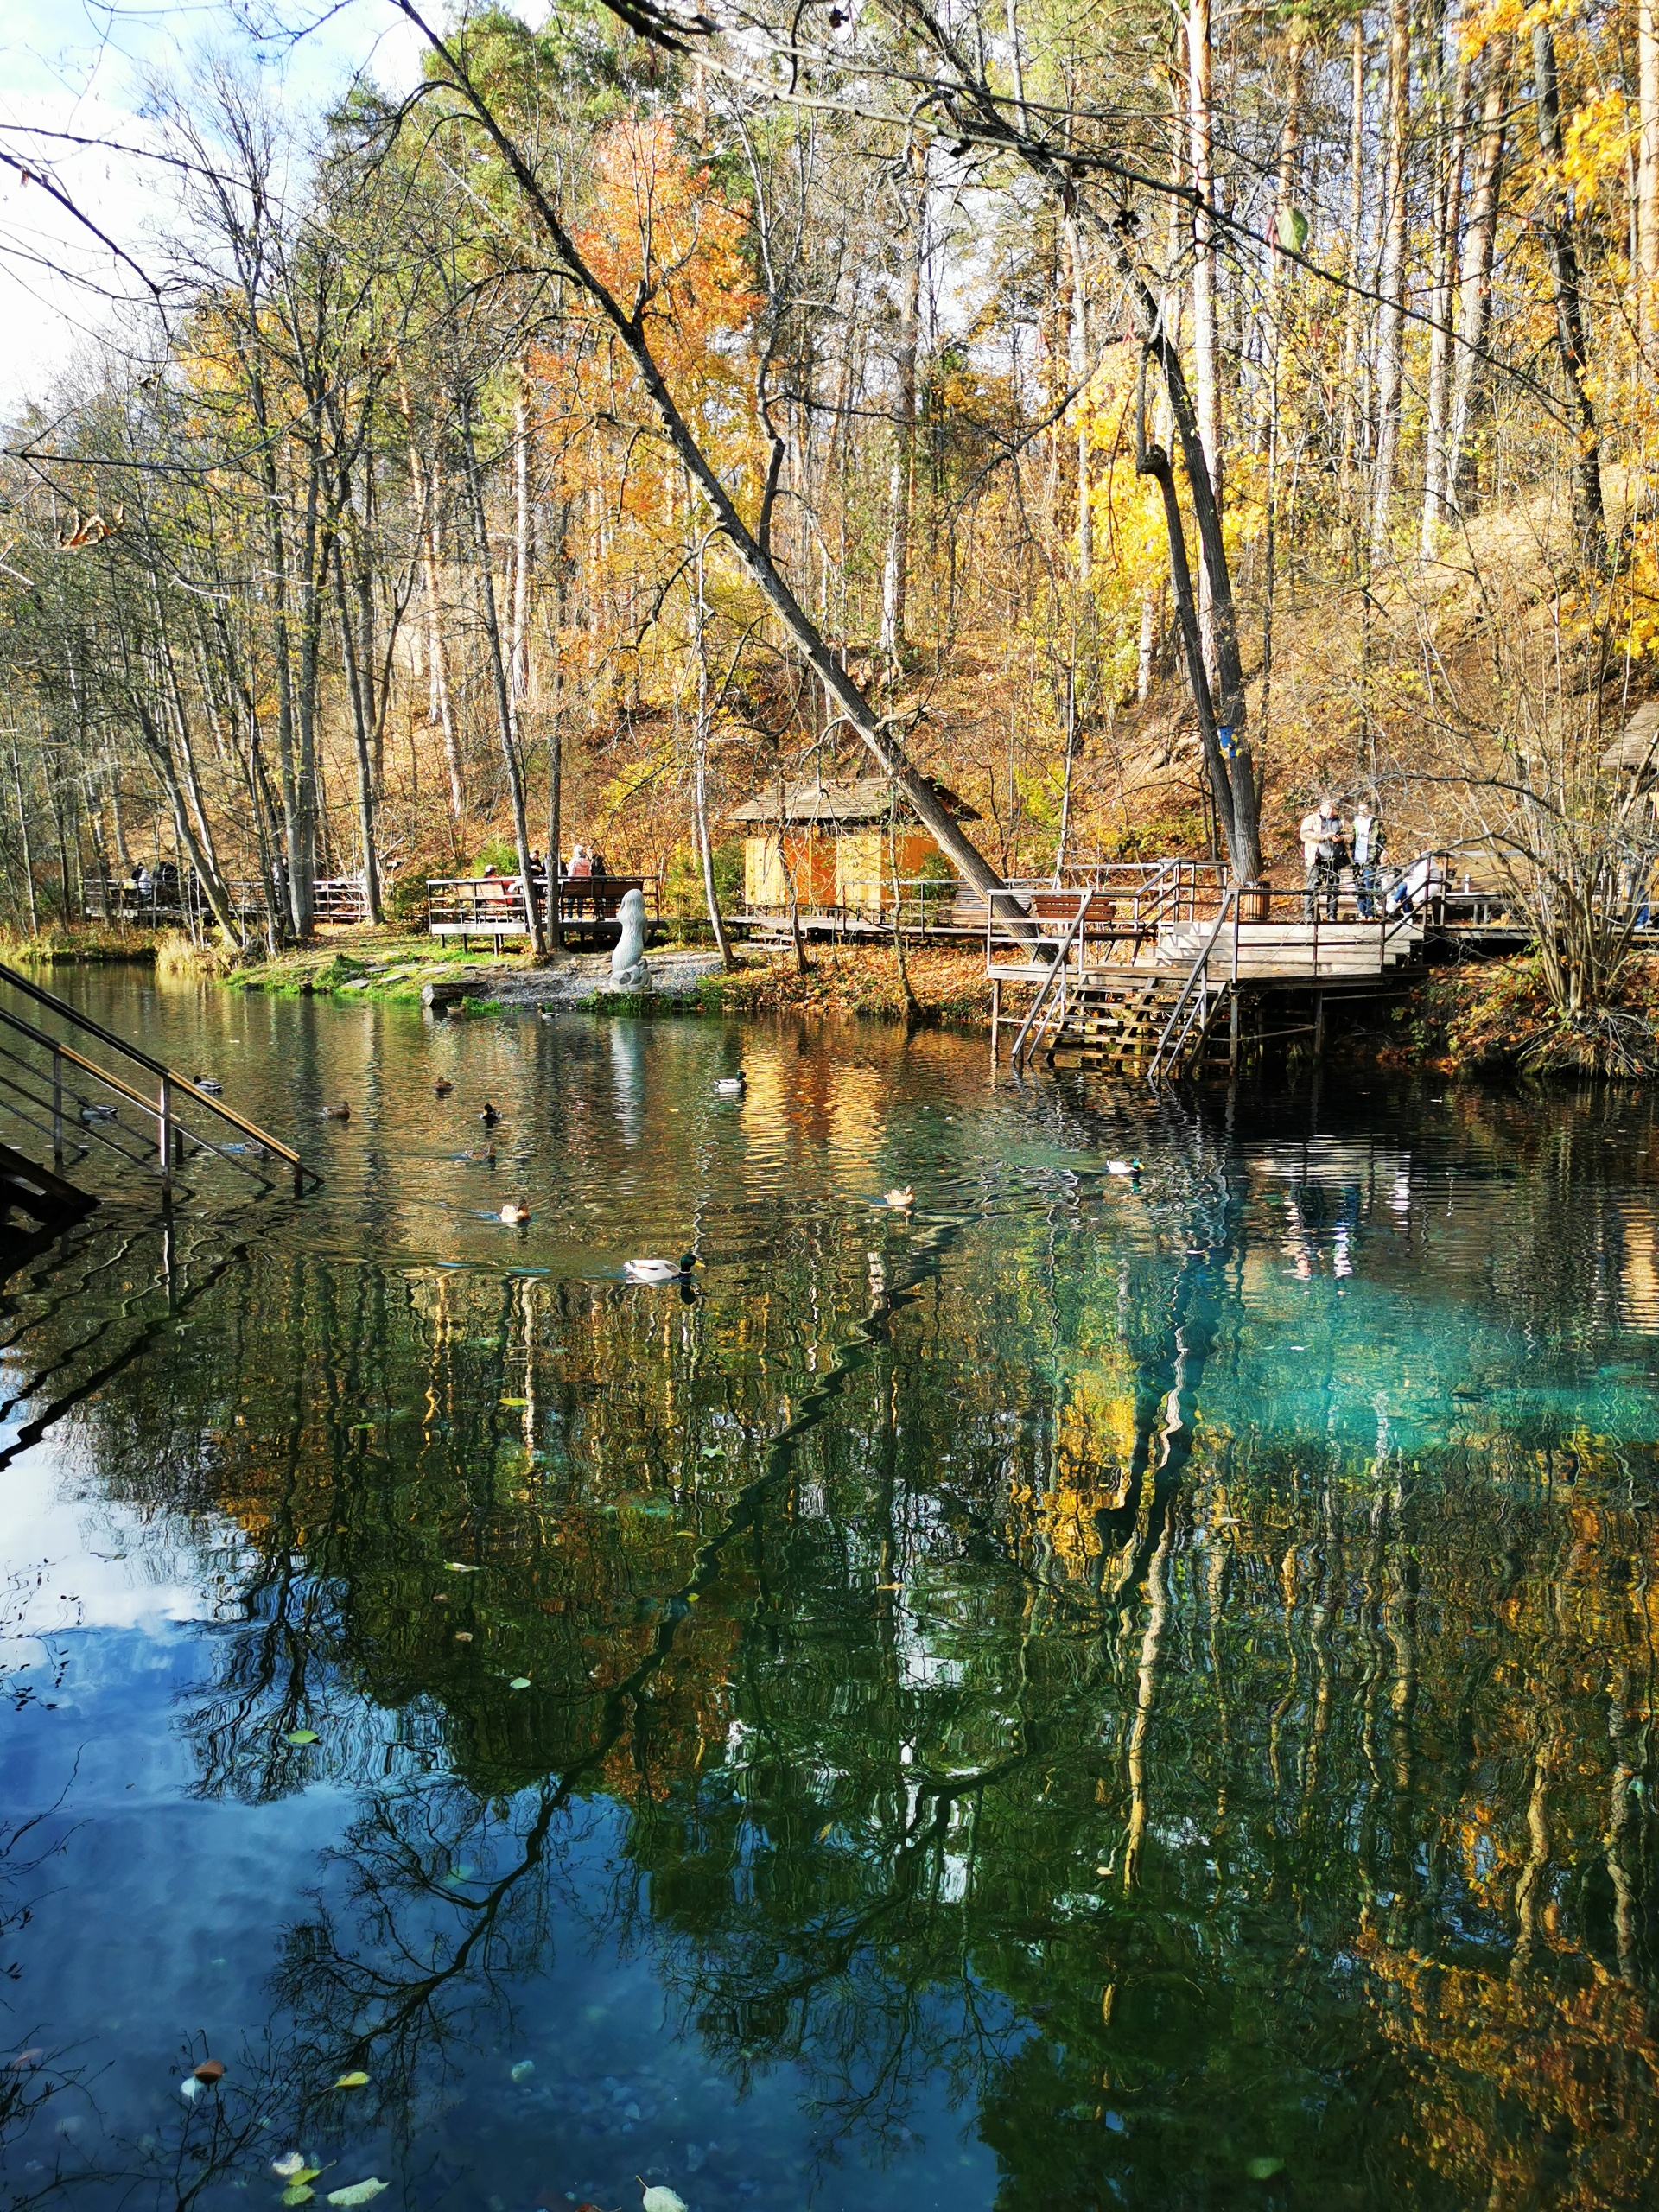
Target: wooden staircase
(1116,1023)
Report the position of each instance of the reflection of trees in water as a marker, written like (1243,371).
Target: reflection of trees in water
(962,1675)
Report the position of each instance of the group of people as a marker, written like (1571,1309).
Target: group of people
(1331,848)
(585,863)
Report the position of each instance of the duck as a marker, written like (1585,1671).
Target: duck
(341,1113)
(209,1085)
(89,1112)
(904,1197)
(442,1087)
(516,1213)
(490,1116)
(1122,1168)
(731,1086)
(661,1270)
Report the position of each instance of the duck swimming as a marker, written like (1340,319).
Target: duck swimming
(1122,1168)
(490,1116)
(442,1087)
(515,1213)
(661,1270)
(731,1086)
(905,1197)
(341,1113)
(209,1085)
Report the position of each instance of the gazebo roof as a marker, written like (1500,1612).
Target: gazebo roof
(838,805)
(1637,746)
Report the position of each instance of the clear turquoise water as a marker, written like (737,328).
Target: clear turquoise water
(1091,1691)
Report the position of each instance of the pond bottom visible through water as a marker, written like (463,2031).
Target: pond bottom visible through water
(1102,1685)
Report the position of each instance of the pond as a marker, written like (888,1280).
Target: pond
(1088,1689)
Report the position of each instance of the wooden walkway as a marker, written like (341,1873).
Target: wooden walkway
(1190,971)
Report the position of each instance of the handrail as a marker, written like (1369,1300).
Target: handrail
(1057,969)
(1197,974)
(168,1083)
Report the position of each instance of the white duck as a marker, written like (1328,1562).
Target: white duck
(661,1270)
(516,1213)
(731,1086)
(1122,1168)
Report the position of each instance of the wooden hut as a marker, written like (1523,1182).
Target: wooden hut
(1635,749)
(831,840)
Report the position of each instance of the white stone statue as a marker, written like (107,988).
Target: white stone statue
(629,969)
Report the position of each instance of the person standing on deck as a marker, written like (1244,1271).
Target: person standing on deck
(1321,833)
(1368,842)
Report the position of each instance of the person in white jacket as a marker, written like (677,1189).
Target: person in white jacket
(1320,833)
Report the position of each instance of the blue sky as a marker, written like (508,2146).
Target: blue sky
(72,65)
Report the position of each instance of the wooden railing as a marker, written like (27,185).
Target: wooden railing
(493,906)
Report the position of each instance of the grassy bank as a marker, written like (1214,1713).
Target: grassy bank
(64,944)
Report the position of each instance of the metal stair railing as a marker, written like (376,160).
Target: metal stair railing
(172,1132)
(1056,974)
(1192,1006)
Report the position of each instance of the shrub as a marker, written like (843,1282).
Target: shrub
(682,894)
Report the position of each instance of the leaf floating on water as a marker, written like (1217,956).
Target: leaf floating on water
(460,1566)
(299,2192)
(302,1736)
(32,2057)
(1263,2169)
(190,2089)
(463,1635)
(659,2199)
(360,2192)
(291,2166)
(209,2071)
(355,2080)
(828,1828)
(512,1401)
(519,1683)
(523,2069)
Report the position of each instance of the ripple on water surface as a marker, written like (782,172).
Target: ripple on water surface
(1083,1688)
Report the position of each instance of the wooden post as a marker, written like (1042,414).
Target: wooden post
(996,1014)
(57,1107)
(1318,1025)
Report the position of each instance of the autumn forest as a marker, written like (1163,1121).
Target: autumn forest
(1135,419)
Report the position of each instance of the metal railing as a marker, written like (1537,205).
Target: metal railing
(1191,1008)
(1055,978)
(340,901)
(24,1080)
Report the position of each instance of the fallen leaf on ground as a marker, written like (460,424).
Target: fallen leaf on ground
(360,2192)
(302,1736)
(355,2080)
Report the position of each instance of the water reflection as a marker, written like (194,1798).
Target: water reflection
(1092,1695)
